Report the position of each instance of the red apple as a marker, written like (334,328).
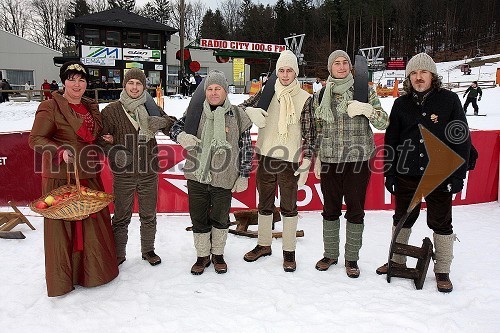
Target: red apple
(41,204)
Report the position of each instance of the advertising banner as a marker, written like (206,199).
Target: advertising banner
(20,184)
(142,55)
(107,52)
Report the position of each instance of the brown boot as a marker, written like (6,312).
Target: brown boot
(352,269)
(289,264)
(200,264)
(120,260)
(219,263)
(152,258)
(257,252)
(444,284)
(325,263)
(383,269)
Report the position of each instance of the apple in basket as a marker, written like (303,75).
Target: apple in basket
(41,204)
(101,194)
(49,200)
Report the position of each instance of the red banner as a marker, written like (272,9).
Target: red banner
(21,185)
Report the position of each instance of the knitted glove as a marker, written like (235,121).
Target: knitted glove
(317,168)
(479,98)
(356,108)
(390,184)
(67,156)
(454,185)
(303,171)
(257,116)
(122,158)
(240,185)
(156,123)
(187,141)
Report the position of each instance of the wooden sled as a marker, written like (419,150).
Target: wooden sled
(417,274)
(244,218)
(8,220)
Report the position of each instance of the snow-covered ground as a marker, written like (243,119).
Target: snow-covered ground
(260,296)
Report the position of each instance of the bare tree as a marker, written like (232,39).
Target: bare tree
(198,11)
(98,5)
(232,19)
(49,18)
(193,17)
(14,17)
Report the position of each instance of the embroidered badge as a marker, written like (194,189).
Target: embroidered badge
(434,118)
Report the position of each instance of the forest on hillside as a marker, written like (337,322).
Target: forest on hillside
(446,29)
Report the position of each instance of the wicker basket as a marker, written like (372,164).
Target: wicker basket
(74,208)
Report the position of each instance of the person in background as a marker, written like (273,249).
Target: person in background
(46,89)
(222,138)
(64,131)
(28,87)
(474,94)
(129,128)
(317,85)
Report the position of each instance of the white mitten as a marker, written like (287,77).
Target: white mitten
(187,141)
(303,171)
(257,116)
(356,108)
(240,185)
(317,168)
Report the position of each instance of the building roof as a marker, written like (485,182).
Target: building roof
(117,17)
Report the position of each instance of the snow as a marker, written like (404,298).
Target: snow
(260,296)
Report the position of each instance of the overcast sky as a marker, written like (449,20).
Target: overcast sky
(213,4)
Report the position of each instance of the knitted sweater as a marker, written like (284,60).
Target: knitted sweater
(301,136)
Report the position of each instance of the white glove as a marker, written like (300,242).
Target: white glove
(257,116)
(356,108)
(67,156)
(303,171)
(187,141)
(240,185)
(317,168)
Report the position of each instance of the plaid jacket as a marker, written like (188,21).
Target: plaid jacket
(349,139)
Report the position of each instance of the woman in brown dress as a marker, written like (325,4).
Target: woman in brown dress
(82,252)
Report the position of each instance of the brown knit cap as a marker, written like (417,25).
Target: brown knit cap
(135,73)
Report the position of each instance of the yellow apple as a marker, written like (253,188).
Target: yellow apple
(49,200)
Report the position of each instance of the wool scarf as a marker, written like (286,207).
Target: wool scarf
(136,110)
(339,87)
(213,139)
(287,115)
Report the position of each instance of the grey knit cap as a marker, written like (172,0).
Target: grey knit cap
(216,77)
(334,55)
(135,73)
(421,61)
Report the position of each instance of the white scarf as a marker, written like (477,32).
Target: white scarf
(287,116)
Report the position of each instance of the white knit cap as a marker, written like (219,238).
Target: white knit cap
(421,61)
(287,58)
(334,55)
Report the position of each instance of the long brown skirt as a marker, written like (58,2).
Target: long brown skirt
(64,267)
